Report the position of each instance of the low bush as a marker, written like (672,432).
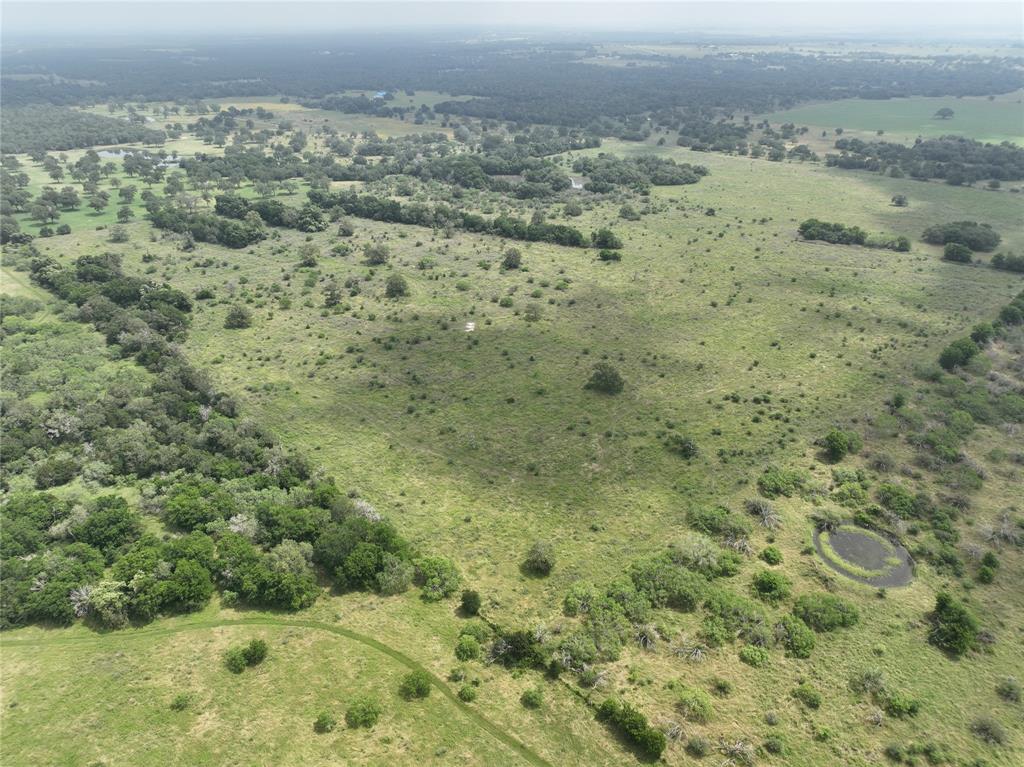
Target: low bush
(989,730)
(824,612)
(180,702)
(695,705)
(633,725)
(470,602)
(605,378)
(807,695)
(532,698)
(772,587)
(540,559)
(1008,689)
(754,656)
(795,637)
(954,628)
(467,648)
(324,723)
(414,685)
(363,712)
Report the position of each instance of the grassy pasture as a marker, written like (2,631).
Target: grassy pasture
(463,439)
(996,120)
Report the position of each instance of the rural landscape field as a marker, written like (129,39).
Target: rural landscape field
(505,397)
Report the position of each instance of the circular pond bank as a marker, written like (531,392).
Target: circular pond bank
(865,556)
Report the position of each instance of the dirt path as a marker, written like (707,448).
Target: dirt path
(522,750)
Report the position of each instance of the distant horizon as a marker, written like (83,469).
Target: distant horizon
(726,20)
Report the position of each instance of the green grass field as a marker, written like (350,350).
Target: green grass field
(994,120)
(477,442)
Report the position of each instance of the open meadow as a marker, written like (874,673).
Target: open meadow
(618,425)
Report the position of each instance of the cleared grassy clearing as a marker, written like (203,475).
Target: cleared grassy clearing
(902,120)
(308,671)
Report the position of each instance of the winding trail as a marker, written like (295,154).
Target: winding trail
(484,724)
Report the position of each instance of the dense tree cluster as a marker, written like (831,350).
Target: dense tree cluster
(246,516)
(1010,262)
(606,172)
(441,216)
(955,159)
(968,233)
(524,80)
(634,726)
(43,127)
(837,234)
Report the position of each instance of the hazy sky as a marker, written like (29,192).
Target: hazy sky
(906,18)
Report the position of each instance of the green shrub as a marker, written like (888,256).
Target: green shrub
(754,656)
(970,233)
(396,286)
(438,577)
(695,705)
(633,725)
(774,744)
(363,712)
(989,730)
(795,637)
(532,698)
(824,612)
(682,446)
(478,630)
(771,555)
(1008,689)
(234,659)
(470,602)
(540,559)
(180,702)
(771,586)
(958,353)
(605,379)
(957,252)
(719,522)
(467,693)
(255,652)
(415,684)
(324,723)
(698,747)
(954,629)
(775,482)
(898,705)
(237,317)
(467,648)
(839,443)
(807,695)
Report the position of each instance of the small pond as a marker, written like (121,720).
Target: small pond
(865,556)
